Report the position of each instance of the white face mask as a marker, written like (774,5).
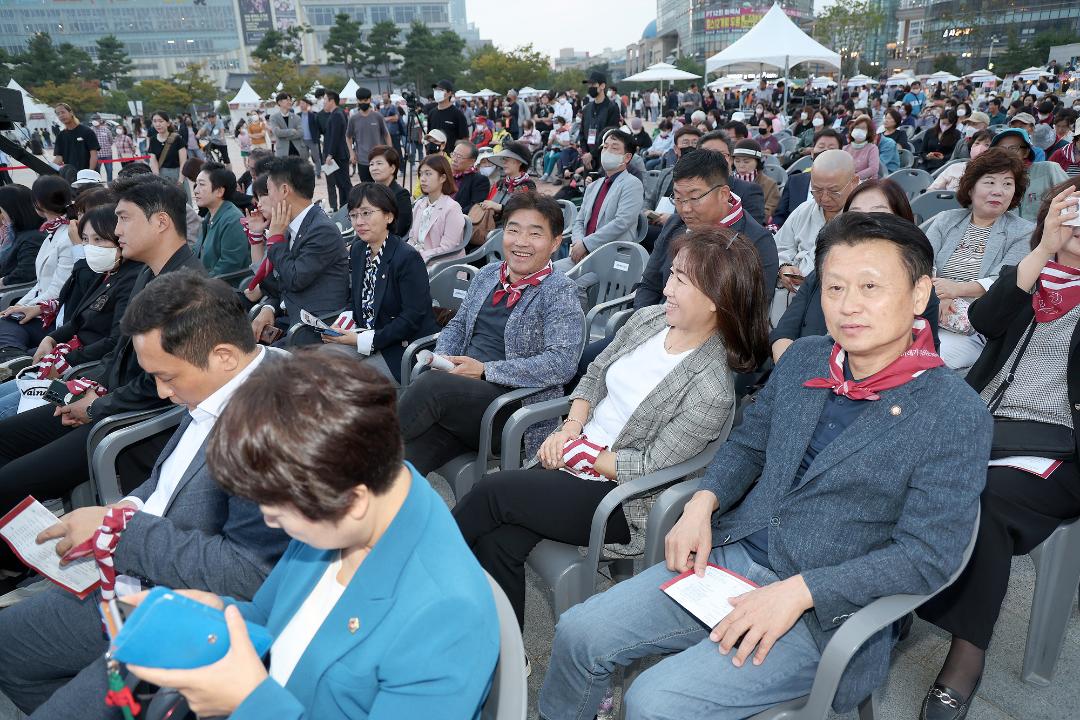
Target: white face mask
(858,135)
(961,112)
(100,259)
(611,94)
(818,122)
(439,95)
(610,161)
(487,170)
(803,117)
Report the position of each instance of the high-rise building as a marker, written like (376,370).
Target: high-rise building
(705,27)
(164,36)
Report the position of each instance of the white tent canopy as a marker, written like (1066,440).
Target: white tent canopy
(246,99)
(462,94)
(941,76)
(728,81)
(659,72)
(485,93)
(530,91)
(38,115)
(775,41)
(901,79)
(859,80)
(982,76)
(1034,73)
(348,93)
(822,82)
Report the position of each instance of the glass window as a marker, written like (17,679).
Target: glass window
(404,14)
(379,13)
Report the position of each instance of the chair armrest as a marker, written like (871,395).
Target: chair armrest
(79,370)
(409,356)
(670,501)
(594,312)
(519,422)
(328,317)
(257,307)
(487,423)
(112,435)
(233,277)
(9,295)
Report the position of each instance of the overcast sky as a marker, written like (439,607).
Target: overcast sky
(580,24)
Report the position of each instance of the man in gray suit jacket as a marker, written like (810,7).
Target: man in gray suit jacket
(288,133)
(826,497)
(186,531)
(611,207)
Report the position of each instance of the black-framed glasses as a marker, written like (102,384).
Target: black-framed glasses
(694,200)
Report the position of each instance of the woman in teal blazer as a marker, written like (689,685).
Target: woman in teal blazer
(378,608)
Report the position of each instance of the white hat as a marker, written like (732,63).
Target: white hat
(437,135)
(738,116)
(86,177)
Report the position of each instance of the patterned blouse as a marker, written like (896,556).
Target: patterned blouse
(367,295)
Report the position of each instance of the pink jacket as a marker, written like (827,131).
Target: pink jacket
(445,232)
(866,160)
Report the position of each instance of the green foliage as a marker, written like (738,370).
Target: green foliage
(430,57)
(293,79)
(384,52)
(282,44)
(492,68)
(690,65)
(845,27)
(343,44)
(113,63)
(946,63)
(190,86)
(84,96)
(563,80)
(1019,55)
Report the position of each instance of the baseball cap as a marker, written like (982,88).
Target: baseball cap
(445,85)
(1025,118)
(86,177)
(437,135)
(978,117)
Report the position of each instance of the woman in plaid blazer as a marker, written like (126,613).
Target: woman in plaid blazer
(655,397)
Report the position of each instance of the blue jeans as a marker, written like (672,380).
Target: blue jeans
(9,399)
(634,620)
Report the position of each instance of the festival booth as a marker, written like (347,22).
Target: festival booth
(245,101)
(39,116)
(348,93)
(775,41)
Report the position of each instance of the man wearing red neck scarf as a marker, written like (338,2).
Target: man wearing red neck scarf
(855,475)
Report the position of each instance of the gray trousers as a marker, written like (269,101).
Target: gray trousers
(316,155)
(52,658)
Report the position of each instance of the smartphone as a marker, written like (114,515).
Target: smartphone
(1075,222)
(270,334)
(793,276)
(56,393)
(328,331)
(651,215)
(17,317)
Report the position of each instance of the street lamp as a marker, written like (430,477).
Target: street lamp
(990,58)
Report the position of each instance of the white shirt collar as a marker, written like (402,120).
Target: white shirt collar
(211,407)
(294,226)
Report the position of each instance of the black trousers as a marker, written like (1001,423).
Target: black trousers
(440,417)
(508,513)
(1019,511)
(363,173)
(338,186)
(39,456)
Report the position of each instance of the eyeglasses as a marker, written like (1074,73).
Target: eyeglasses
(834,194)
(365,215)
(694,200)
(1015,149)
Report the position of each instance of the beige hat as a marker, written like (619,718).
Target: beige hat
(436,136)
(977,116)
(1023,117)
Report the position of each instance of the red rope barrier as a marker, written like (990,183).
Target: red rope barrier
(100,160)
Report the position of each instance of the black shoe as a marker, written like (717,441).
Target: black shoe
(944,703)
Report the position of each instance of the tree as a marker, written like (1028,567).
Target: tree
(383,51)
(690,65)
(287,44)
(188,87)
(946,63)
(40,62)
(430,57)
(343,44)
(563,80)
(293,79)
(493,68)
(113,62)
(846,26)
(75,63)
(84,96)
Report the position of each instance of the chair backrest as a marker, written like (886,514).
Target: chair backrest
(788,144)
(777,173)
(931,203)
(569,215)
(941,169)
(450,285)
(445,259)
(651,181)
(340,217)
(618,266)
(642,229)
(801,165)
(509,694)
(771,160)
(907,158)
(911,180)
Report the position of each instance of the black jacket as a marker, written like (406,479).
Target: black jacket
(19,264)
(651,289)
(472,188)
(402,299)
(796,190)
(95,318)
(312,274)
(1003,315)
(79,282)
(804,316)
(403,200)
(334,143)
(599,116)
(129,386)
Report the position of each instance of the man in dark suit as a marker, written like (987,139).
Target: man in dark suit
(797,188)
(43,451)
(337,147)
(311,268)
(312,128)
(185,532)
(797,502)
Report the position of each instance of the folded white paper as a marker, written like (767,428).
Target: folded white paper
(706,598)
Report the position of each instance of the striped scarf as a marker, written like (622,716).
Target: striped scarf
(102,544)
(514,184)
(50,226)
(512,290)
(1058,291)
(747,177)
(57,359)
(735,212)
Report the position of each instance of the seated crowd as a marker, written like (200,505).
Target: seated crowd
(294,493)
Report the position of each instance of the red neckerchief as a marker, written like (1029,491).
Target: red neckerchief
(747,177)
(512,184)
(1058,291)
(735,212)
(918,358)
(469,171)
(50,226)
(102,544)
(512,291)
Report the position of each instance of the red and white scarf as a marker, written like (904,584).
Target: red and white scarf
(80,386)
(580,455)
(49,309)
(50,226)
(735,212)
(265,267)
(747,177)
(512,185)
(912,363)
(102,544)
(512,290)
(1058,291)
(57,359)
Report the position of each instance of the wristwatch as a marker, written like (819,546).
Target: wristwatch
(89,411)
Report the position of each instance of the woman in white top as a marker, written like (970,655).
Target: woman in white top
(55,258)
(655,397)
(438,223)
(971,245)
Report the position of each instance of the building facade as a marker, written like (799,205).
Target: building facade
(165,36)
(701,28)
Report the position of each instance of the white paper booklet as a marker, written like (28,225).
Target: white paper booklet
(706,598)
(20,528)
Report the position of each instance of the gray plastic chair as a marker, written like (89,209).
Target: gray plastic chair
(340,217)
(788,144)
(907,158)
(1057,571)
(568,577)
(772,160)
(569,215)
(436,263)
(651,181)
(611,271)
(941,169)
(911,180)
(450,285)
(642,229)
(777,173)
(508,698)
(801,165)
(107,439)
(490,251)
(10,295)
(855,631)
(931,203)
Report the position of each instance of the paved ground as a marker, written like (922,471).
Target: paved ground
(1002,696)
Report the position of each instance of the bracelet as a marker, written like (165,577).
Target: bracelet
(580,424)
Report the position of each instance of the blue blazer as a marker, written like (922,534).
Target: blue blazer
(886,508)
(428,637)
(402,298)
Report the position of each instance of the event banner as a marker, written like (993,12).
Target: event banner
(720,20)
(255,19)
